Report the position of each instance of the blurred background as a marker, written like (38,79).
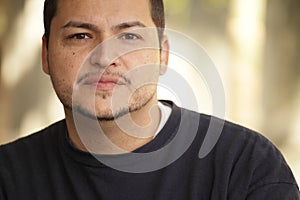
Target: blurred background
(254,44)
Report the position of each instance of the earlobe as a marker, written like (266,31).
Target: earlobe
(45,55)
(164,55)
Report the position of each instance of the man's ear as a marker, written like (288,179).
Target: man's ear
(164,55)
(45,55)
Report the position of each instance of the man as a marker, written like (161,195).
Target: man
(104,58)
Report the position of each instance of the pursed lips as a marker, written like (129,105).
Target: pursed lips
(104,82)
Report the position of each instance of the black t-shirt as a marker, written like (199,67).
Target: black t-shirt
(242,165)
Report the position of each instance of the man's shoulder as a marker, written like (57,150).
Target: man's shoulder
(219,135)
(246,153)
(215,131)
(228,128)
(223,128)
(239,139)
(28,158)
(34,140)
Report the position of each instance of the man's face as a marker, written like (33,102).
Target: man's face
(103,56)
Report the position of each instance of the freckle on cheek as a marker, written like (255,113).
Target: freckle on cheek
(74,53)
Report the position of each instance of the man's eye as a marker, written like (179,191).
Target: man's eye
(80,36)
(129,36)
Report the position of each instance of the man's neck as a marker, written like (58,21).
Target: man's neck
(113,137)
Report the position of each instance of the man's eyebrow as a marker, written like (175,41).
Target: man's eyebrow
(84,25)
(93,27)
(126,25)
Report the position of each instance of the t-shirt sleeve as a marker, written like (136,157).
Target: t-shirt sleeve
(259,170)
(2,195)
(275,191)
(271,178)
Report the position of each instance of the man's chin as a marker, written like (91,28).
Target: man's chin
(103,115)
(103,110)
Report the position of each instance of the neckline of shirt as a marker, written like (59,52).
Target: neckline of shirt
(164,134)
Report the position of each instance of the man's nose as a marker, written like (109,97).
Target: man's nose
(105,54)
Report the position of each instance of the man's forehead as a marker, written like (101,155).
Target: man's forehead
(130,6)
(111,11)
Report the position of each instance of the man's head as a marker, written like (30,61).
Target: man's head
(101,49)
(157,13)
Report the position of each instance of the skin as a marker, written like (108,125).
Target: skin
(104,62)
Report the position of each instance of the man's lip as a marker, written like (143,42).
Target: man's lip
(97,80)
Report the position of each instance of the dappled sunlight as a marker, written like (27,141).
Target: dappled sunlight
(23,44)
(247,34)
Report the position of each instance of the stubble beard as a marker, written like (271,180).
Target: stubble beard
(140,98)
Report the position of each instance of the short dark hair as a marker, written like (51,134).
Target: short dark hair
(157,14)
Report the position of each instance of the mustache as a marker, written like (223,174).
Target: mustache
(117,74)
